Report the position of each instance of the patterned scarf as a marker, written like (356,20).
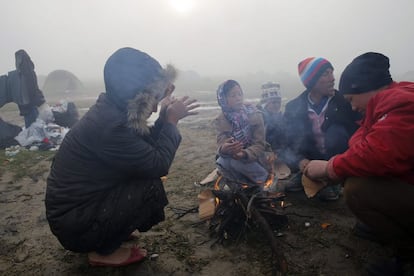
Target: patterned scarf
(238,118)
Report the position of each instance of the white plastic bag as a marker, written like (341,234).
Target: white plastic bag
(45,113)
(32,134)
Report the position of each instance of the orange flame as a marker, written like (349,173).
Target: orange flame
(269,182)
(217,187)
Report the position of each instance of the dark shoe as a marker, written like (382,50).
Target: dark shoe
(330,193)
(363,231)
(391,267)
(294,184)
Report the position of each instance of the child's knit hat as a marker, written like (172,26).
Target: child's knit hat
(270,91)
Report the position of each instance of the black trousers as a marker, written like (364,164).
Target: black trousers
(107,221)
(386,205)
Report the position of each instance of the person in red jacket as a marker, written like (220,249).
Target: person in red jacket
(378,167)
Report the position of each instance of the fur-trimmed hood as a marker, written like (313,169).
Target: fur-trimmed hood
(135,82)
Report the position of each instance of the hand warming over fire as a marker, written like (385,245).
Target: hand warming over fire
(180,108)
(164,103)
(302,164)
(316,170)
(231,147)
(239,155)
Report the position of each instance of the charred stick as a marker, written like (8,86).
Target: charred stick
(180,212)
(280,259)
(298,215)
(270,211)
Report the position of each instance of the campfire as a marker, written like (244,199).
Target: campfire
(234,208)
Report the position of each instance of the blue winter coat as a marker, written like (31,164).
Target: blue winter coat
(105,179)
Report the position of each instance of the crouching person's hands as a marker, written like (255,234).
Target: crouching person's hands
(302,164)
(180,108)
(316,170)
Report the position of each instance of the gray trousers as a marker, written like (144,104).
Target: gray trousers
(241,171)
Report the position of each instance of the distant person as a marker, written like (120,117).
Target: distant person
(105,180)
(378,167)
(270,104)
(242,150)
(271,107)
(319,122)
(23,88)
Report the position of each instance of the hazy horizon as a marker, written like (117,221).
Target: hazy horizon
(210,37)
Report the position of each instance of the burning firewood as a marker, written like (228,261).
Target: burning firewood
(240,206)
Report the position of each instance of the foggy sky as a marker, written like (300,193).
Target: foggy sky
(215,37)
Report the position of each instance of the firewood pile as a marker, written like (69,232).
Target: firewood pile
(239,208)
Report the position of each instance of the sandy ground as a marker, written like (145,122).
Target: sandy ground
(183,245)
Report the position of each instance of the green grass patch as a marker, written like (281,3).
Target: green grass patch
(19,165)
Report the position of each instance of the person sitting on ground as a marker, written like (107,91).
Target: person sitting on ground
(319,122)
(270,105)
(243,153)
(105,180)
(378,167)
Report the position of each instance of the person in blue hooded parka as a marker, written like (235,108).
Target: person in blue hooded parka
(105,180)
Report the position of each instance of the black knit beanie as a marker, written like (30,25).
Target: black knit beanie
(365,73)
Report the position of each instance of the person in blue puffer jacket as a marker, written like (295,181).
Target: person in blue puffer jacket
(105,180)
